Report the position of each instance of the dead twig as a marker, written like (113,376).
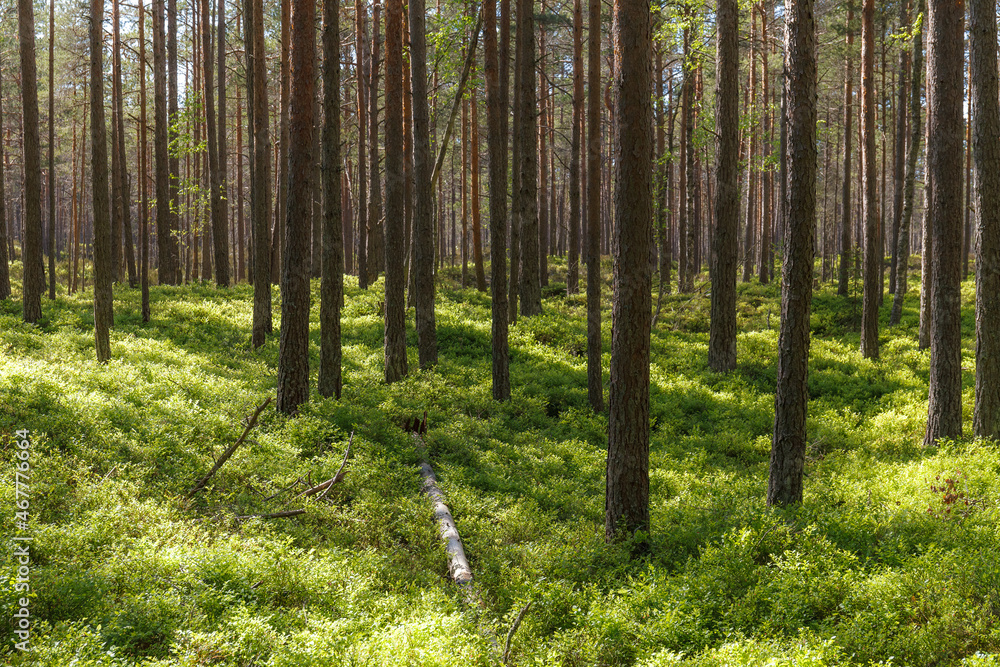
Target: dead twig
(229,452)
(325,486)
(273,515)
(513,629)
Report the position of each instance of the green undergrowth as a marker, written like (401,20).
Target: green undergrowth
(891,559)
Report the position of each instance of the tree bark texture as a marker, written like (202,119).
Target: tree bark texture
(627,499)
(595,390)
(103,268)
(945,55)
(395,278)
(844,275)
(873,247)
(788,448)
(722,334)
(531,291)
(33,272)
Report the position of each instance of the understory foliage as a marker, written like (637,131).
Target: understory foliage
(872,569)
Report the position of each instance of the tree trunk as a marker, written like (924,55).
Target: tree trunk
(986,128)
(683,256)
(260,202)
(293,357)
(845,225)
(477,240)
(722,335)
(575,203)
(103,268)
(903,248)
(423,210)
(898,172)
(52,143)
(496,114)
(361,72)
(543,168)
(873,247)
(219,238)
(33,272)
(143,171)
(515,178)
(395,278)
(376,235)
(222,272)
(595,390)
(944,165)
(788,447)
(172,262)
(531,292)
(4,237)
(764,266)
(627,499)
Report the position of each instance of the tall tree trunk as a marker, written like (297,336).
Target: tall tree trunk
(164,239)
(543,167)
(4,236)
(531,292)
(216,194)
(222,272)
(627,500)
(33,272)
(766,249)
(361,72)
(260,203)
(143,171)
(725,255)
(293,356)
(376,235)
(103,268)
(423,210)
(395,279)
(845,225)
(575,203)
(788,447)
(496,115)
(515,176)
(117,141)
(986,128)
(595,390)
(903,247)
(52,143)
(873,246)
(172,264)
(332,288)
(899,155)
(944,165)
(683,256)
(477,235)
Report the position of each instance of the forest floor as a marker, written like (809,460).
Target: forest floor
(891,559)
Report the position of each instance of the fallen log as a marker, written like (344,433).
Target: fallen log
(229,452)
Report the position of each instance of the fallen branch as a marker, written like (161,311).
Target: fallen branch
(458,563)
(273,515)
(325,486)
(513,629)
(229,452)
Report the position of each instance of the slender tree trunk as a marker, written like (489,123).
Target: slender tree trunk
(515,176)
(361,72)
(117,141)
(986,128)
(423,210)
(172,247)
(683,256)
(260,204)
(33,272)
(496,114)
(477,240)
(627,499)
(903,248)
(395,279)
(595,390)
(222,272)
(789,444)
(103,268)
(52,142)
(845,228)
(143,171)
(216,194)
(873,248)
(543,168)
(575,202)
(725,255)
(4,235)
(332,288)
(376,235)
(293,357)
(766,253)
(945,55)
(899,156)
(967,209)
(531,292)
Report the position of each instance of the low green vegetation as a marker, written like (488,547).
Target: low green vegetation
(891,560)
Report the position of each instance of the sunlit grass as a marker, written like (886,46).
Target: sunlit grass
(873,566)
